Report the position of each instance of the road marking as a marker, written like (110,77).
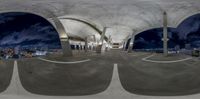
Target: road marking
(61,62)
(154,61)
(15,87)
(115,87)
(140,54)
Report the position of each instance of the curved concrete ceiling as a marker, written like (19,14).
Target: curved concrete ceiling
(79,29)
(130,15)
(86,22)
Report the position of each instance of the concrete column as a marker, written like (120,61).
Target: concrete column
(92,47)
(99,46)
(63,36)
(109,42)
(95,41)
(130,47)
(103,34)
(125,43)
(65,47)
(79,47)
(86,44)
(165,34)
(124,46)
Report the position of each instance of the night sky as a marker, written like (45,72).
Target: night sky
(19,29)
(188,32)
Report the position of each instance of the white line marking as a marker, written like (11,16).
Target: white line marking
(60,62)
(115,84)
(140,54)
(154,61)
(115,87)
(15,87)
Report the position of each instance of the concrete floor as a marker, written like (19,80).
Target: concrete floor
(41,77)
(94,80)
(6,70)
(148,78)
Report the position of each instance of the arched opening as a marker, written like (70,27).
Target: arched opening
(151,40)
(189,32)
(24,35)
(60,76)
(155,74)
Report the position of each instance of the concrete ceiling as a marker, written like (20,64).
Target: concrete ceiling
(78,29)
(121,16)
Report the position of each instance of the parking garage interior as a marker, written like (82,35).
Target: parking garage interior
(92,49)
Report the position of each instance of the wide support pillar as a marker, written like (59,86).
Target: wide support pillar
(109,42)
(100,46)
(66,48)
(130,47)
(63,37)
(79,47)
(124,46)
(95,42)
(86,44)
(165,34)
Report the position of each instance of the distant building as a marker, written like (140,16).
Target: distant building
(40,53)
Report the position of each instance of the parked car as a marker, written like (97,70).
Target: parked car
(196,53)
